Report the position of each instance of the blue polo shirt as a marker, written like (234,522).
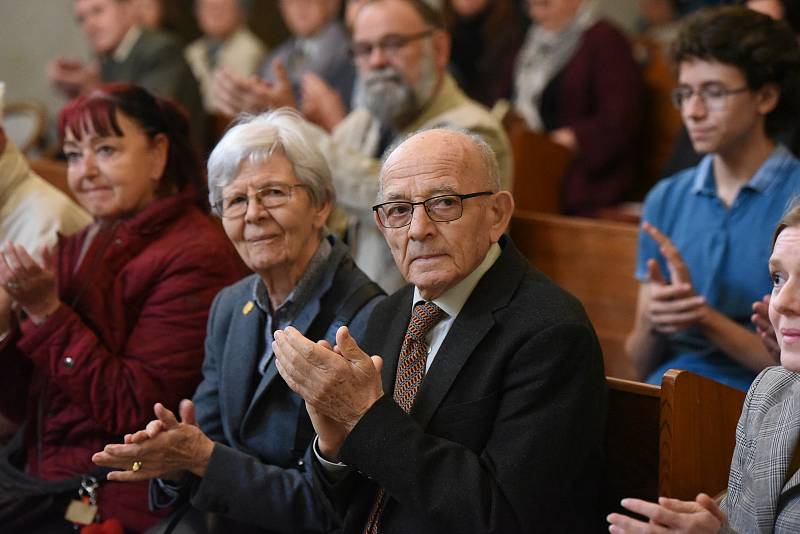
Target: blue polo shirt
(725,249)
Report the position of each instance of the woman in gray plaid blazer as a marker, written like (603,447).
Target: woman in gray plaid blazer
(764,484)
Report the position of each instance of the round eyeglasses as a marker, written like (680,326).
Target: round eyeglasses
(713,96)
(390,44)
(269,196)
(441,208)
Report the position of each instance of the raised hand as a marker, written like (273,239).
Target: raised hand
(72,76)
(766,331)
(321,103)
(32,285)
(678,271)
(342,384)
(236,94)
(701,516)
(166,448)
(672,305)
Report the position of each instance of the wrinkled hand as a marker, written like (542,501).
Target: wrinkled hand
(236,94)
(331,433)
(674,305)
(72,76)
(30,284)
(340,385)
(565,137)
(701,516)
(321,103)
(766,331)
(165,448)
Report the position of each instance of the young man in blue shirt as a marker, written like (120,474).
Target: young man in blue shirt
(704,244)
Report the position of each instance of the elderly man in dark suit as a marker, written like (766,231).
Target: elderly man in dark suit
(126,52)
(484,407)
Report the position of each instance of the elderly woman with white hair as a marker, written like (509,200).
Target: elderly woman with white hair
(241,449)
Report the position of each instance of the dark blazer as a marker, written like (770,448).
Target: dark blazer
(258,472)
(599,95)
(763,495)
(506,432)
(156,63)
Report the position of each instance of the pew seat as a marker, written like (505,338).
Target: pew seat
(673,440)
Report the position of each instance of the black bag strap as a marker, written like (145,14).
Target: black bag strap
(13,476)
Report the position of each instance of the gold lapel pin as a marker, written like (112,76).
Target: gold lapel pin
(247,307)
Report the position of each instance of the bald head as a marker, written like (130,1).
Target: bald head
(463,212)
(456,146)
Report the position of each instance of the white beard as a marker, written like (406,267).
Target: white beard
(387,95)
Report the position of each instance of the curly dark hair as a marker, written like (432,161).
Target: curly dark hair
(765,50)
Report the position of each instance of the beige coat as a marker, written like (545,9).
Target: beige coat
(31,210)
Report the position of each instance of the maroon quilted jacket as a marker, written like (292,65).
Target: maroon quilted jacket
(599,95)
(129,333)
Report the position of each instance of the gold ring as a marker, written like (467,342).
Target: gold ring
(136,466)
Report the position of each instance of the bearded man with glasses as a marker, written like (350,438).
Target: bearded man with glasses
(476,400)
(401,50)
(705,236)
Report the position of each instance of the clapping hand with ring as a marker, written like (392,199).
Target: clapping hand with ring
(166,448)
(32,285)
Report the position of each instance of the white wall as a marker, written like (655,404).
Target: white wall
(31,32)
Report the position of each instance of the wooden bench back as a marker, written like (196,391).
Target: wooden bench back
(539,166)
(675,440)
(594,260)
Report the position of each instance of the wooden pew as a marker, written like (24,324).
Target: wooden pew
(539,166)
(675,440)
(594,260)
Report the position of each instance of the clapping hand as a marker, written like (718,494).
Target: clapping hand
(674,305)
(166,448)
(30,284)
(766,331)
(701,516)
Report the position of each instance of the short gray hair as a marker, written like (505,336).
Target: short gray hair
(255,138)
(487,155)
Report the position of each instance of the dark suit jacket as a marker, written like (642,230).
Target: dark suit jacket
(156,63)
(507,428)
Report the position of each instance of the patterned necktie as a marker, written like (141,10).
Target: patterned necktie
(410,371)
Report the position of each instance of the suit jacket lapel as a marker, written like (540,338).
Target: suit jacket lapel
(469,328)
(476,318)
(302,324)
(394,334)
(240,362)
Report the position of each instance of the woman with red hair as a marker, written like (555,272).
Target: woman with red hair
(113,319)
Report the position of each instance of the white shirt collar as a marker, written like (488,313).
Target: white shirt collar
(452,300)
(125,46)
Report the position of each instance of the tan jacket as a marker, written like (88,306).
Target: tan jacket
(31,210)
